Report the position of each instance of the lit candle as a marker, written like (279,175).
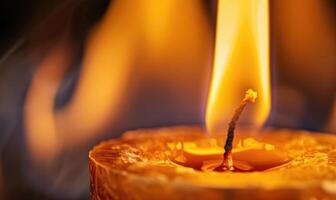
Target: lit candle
(188,163)
(153,164)
(182,162)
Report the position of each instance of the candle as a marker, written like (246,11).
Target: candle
(192,163)
(153,164)
(173,163)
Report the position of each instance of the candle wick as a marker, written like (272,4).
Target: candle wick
(227,163)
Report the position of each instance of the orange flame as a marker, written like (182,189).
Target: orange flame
(241,62)
(154,38)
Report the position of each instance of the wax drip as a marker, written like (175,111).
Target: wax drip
(227,163)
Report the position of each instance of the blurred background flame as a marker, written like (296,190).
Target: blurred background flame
(131,35)
(73,73)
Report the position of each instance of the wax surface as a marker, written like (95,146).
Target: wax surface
(139,166)
(248,155)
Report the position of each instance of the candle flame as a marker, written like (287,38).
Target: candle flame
(241,62)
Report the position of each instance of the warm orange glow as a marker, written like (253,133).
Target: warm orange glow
(241,62)
(97,96)
(159,41)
